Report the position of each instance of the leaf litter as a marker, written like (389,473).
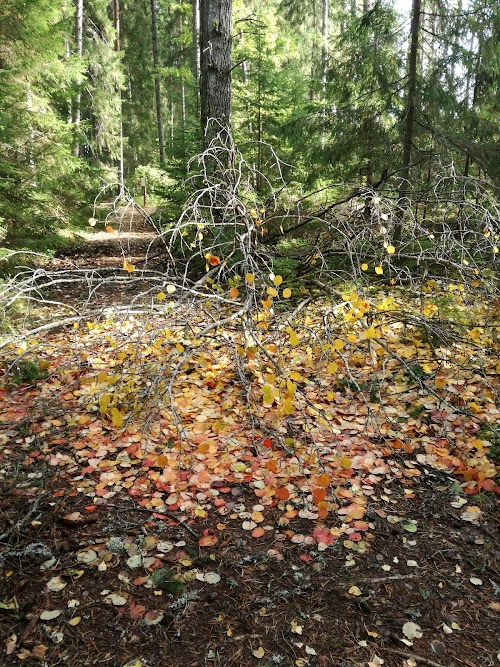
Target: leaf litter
(313,486)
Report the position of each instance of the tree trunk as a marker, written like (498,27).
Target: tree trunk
(475,97)
(215,79)
(156,63)
(79,50)
(410,114)
(116,23)
(325,33)
(196,44)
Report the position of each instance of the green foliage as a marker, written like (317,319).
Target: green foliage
(158,183)
(22,371)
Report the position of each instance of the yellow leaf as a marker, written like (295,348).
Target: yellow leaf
(391,249)
(272,292)
(249,278)
(104,401)
(354,590)
(179,348)
(287,293)
(345,462)
(352,338)
(338,344)
(294,339)
(440,382)
(161,296)
(379,270)
(332,367)
(364,267)
(259,652)
(370,333)
(296,376)
(288,408)
(74,621)
(127,266)
(116,417)
(278,280)
(102,377)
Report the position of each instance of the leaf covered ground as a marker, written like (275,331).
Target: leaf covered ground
(318,489)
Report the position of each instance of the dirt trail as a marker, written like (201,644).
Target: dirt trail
(95,269)
(125,234)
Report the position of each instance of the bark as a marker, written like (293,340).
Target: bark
(410,113)
(156,63)
(79,50)
(475,97)
(196,43)
(324,63)
(116,23)
(215,79)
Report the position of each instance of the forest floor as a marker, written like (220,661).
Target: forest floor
(102,566)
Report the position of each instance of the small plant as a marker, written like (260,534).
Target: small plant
(23,371)
(164,580)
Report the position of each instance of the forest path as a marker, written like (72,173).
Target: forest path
(128,234)
(94,275)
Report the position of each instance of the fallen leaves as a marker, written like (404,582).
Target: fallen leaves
(412,631)
(115,599)
(56,584)
(208,577)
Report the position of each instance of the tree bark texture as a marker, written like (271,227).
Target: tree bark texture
(156,63)
(215,75)
(196,40)
(116,23)
(79,50)
(410,111)
(325,35)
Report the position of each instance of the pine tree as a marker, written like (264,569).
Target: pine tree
(36,83)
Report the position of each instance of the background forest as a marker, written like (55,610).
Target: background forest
(93,92)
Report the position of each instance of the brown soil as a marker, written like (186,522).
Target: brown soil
(444,578)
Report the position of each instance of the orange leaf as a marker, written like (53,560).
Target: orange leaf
(324,480)
(209,538)
(213,260)
(282,493)
(319,495)
(258,532)
(268,443)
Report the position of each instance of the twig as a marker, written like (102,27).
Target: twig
(414,656)
(395,577)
